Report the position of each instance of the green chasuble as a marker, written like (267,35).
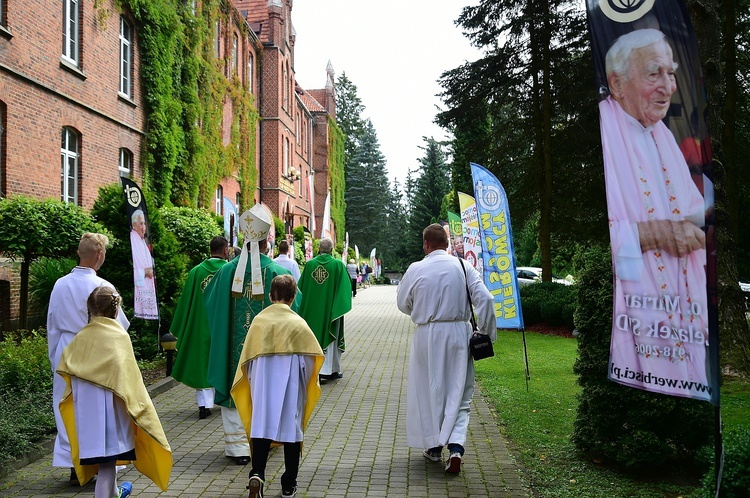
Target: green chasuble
(328,296)
(190,326)
(229,318)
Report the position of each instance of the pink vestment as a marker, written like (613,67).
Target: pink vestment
(145,304)
(659,328)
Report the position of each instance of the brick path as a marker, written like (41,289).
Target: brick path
(355,444)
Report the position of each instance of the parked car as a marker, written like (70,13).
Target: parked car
(530,274)
(745,287)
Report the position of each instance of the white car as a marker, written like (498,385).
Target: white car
(530,274)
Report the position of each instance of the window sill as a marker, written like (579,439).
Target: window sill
(74,70)
(124,98)
(5,32)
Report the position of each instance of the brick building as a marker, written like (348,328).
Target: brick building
(293,179)
(73,115)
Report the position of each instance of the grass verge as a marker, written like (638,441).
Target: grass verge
(539,422)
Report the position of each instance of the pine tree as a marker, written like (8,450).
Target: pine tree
(366,192)
(430,187)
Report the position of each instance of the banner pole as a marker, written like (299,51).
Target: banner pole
(526,358)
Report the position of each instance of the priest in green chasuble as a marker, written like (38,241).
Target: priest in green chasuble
(236,294)
(328,296)
(190,326)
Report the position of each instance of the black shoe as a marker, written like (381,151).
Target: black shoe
(74,477)
(203,412)
(256,487)
(336,375)
(240,460)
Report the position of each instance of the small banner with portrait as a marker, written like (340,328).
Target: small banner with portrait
(457,234)
(499,260)
(659,187)
(470,227)
(145,304)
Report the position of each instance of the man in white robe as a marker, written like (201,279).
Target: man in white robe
(67,315)
(286,261)
(441,371)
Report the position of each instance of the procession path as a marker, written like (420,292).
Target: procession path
(355,445)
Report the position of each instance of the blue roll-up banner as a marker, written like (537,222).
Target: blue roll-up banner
(659,186)
(498,257)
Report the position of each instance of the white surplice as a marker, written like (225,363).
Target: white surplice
(67,315)
(102,420)
(290,264)
(441,371)
(280,381)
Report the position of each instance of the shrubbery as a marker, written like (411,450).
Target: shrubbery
(620,424)
(549,303)
(25,393)
(735,481)
(194,229)
(170,267)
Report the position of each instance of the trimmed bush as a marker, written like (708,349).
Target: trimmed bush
(170,267)
(25,393)
(549,303)
(43,274)
(626,426)
(193,229)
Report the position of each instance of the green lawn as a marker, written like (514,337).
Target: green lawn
(539,422)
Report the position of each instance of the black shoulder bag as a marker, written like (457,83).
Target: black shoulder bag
(480,345)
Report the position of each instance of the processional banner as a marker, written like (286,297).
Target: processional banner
(470,226)
(145,304)
(659,188)
(498,258)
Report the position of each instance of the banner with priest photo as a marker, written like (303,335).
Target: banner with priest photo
(145,304)
(470,226)
(659,189)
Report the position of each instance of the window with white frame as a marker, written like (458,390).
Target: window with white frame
(217,39)
(70,45)
(126,58)
(249,75)
(235,53)
(286,157)
(69,154)
(220,200)
(2,145)
(125,166)
(284,87)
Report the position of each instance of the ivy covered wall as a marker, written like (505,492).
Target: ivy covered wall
(336,139)
(185,91)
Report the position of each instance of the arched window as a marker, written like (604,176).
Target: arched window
(69,154)
(125,165)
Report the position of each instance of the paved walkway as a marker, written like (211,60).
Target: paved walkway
(355,444)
